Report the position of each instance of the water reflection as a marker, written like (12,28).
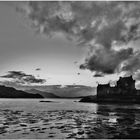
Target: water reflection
(116,122)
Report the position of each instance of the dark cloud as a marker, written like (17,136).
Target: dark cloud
(38,69)
(98,74)
(106,61)
(20,77)
(96,24)
(132,64)
(15,75)
(103,21)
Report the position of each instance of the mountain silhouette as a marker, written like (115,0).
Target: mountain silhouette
(43,93)
(67,91)
(10,92)
(71,91)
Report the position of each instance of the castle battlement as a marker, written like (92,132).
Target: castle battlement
(124,86)
(123,92)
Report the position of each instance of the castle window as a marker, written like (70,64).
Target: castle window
(126,84)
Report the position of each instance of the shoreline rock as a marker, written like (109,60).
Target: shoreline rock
(94,99)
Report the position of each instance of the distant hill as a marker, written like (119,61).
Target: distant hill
(71,90)
(10,92)
(60,91)
(44,94)
(68,91)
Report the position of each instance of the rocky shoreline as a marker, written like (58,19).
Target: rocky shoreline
(95,99)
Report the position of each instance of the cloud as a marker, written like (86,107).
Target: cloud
(106,61)
(20,77)
(133,63)
(78,73)
(12,83)
(97,25)
(103,21)
(38,69)
(98,74)
(137,75)
(15,75)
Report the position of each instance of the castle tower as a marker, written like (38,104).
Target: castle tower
(126,85)
(103,90)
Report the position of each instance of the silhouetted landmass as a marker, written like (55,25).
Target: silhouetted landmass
(44,94)
(71,91)
(123,92)
(48,101)
(9,92)
(89,99)
(66,91)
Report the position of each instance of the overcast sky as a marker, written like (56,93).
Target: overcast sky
(57,58)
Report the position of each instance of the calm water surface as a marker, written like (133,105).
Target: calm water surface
(65,118)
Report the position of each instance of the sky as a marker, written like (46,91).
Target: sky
(21,49)
(69,42)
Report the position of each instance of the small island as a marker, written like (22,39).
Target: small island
(123,92)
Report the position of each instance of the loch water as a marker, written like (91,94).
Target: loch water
(67,118)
